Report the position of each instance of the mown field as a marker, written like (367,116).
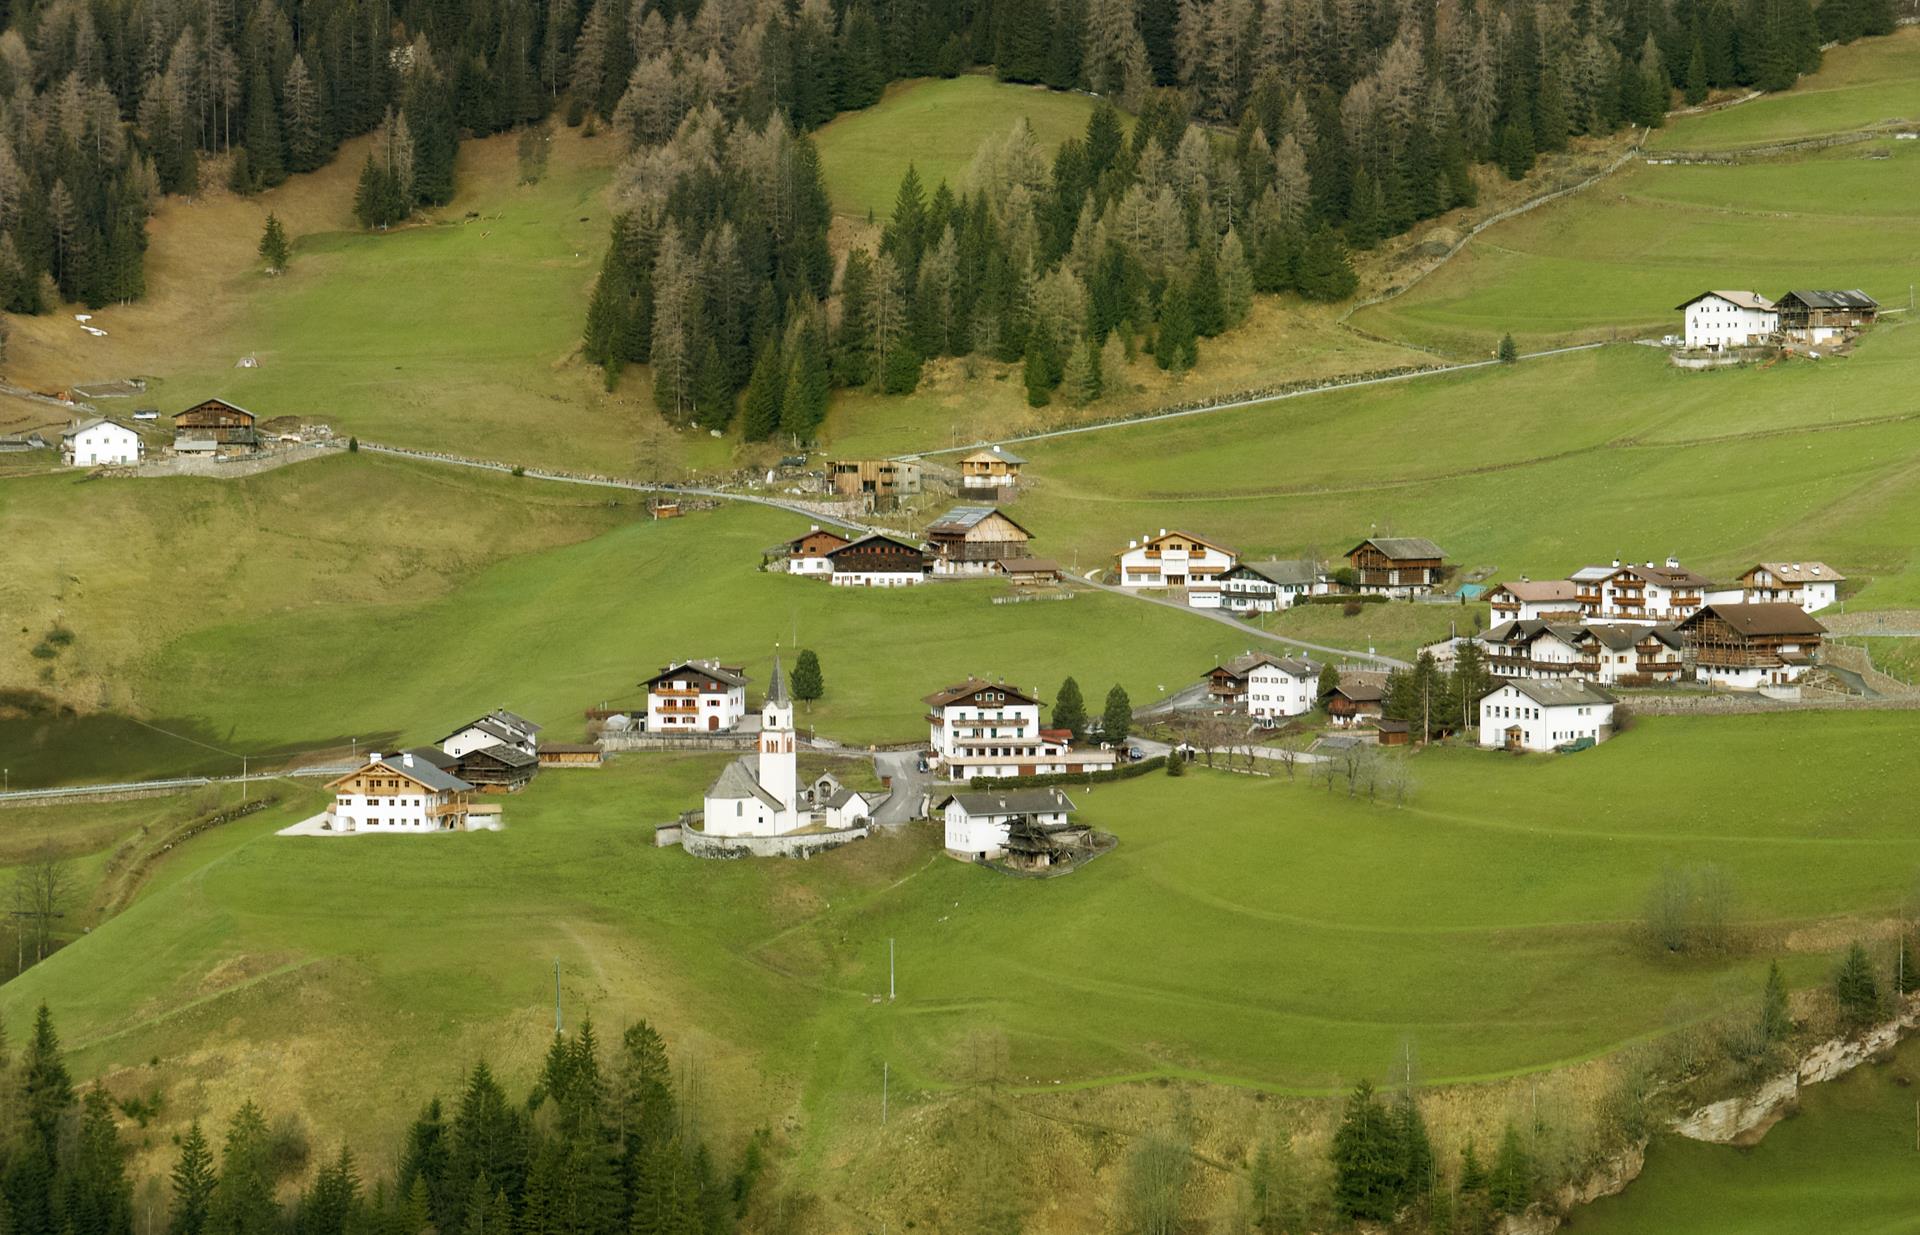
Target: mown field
(1613,261)
(1538,468)
(1490,928)
(1846,1161)
(936,125)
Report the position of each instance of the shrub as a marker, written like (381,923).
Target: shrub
(353,445)
(1126,771)
(519,470)
(1353,608)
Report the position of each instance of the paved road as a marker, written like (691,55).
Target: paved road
(909,783)
(159,786)
(1227,619)
(1253,401)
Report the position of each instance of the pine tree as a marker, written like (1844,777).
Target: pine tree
(1236,280)
(803,405)
(1070,710)
(274,250)
(1776,1022)
(1516,149)
(1856,989)
(1368,1167)
(1204,295)
(1116,719)
(1510,1185)
(1325,272)
(901,373)
(761,418)
(807,682)
(193,1180)
(266,159)
(1696,85)
(713,391)
(1035,372)
(1176,346)
(1329,681)
(1080,377)
(1509,351)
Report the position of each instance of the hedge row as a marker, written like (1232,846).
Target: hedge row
(1125,771)
(1341,598)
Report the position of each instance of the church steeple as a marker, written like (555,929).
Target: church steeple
(778,773)
(777,690)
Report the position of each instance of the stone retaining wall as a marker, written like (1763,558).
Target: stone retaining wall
(1743,705)
(794,845)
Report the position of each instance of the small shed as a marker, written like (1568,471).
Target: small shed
(569,755)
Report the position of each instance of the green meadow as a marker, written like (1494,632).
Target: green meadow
(1537,468)
(936,125)
(1846,1161)
(1867,84)
(1251,932)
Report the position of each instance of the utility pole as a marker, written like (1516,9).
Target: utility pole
(886,1070)
(556,996)
(889,968)
(243,778)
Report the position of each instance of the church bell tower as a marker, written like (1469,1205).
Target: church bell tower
(778,771)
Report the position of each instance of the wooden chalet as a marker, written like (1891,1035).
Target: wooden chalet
(877,554)
(569,755)
(1397,565)
(1522,599)
(1030,571)
(974,540)
(987,473)
(882,482)
(1360,696)
(215,427)
(1752,645)
(817,543)
(497,769)
(1813,316)
(1392,732)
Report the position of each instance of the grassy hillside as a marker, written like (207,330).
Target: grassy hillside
(1612,261)
(1491,927)
(1538,468)
(1844,1162)
(1860,86)
(936,125)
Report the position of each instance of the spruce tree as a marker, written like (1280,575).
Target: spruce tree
(1368,1167)
(765,389)
(266,160)
(803,405)
(1516,149)
(1509,351)
(807,682)
(1034,372)
(1070,710)
(1080,378)
(1206,303)
(1510,1185)
(1856,989)
(1325,273)
(1696,85)
(1176,345)
(1116,719)
(193,1180)
(273,245)
(713,390)
(1776,1022)
(1329,680)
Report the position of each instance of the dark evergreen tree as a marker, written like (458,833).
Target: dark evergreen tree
(1070,710)
(1369,1163)
(765,389)
(1116,719)
(808,684)
(713,391)
(193,1180)
(274,250)
(1856,989)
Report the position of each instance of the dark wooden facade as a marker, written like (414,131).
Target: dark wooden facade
(878,554)
(974,534)
(1755,636)
(227,427)
(1397,562)
(1803,312)
(497,769)
(817,543)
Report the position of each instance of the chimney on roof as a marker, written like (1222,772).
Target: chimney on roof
(1163,531)
(1796,566)
(1616,562)
(407,759)
(374,757)
(1673,563)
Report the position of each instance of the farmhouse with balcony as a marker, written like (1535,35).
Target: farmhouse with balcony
(1611,653)
(982,728)
(880,483)
(978,823)
(1525,599)
(1752,645)
(404,793)
(1267,587)
(696,696)
(877,561)
(1811,585)
(811,554)
(992,474)
(1648,593)
(1360,697)
(1264,686)
(974,540)
(1399,566)
(498,753)
(100,442)
(215,427)
(1177,560)
(1728,319)
(1530,714)
(1818,316)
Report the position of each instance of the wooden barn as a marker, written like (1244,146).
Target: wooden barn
(1359,696)
(215,427)
(498,768)
(1815,317)
(877,561)
(882,482)
(569,755)
(1750,646)
(1397,565)
(974,540)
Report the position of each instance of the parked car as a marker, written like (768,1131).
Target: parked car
(922,765)
(1136,754)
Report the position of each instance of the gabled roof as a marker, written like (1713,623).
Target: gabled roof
(844,795)
(965,518)
(1667,576)
(511,756)
(992,455)
(1029,566)
(421,771)
(1401,548)
(737,781)
(1852,299)
(1291,571)
(1555,694)
(818,532)
(856,546)
(81,426)
(1539,591)
(959,691)
(726,675)
(1009,801)
(493,729)
(434,755)
(1171,533)
(232,407)
(1772,618)
(1241,666)
(1799,572)
(1743,300)
(1362,686)
(515,720)
(1621,636)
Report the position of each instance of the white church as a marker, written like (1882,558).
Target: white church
(761,798)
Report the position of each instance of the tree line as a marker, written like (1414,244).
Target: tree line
(600,1146)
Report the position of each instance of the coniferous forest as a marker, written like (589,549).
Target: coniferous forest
(601,1146)
(1266,141)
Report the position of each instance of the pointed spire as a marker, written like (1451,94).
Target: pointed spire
(777,691)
